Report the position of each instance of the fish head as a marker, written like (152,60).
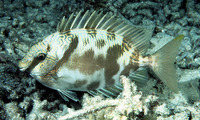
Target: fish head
(39,60)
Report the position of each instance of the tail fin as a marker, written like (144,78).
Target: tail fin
(163,63)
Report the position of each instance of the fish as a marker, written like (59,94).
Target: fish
(90,51)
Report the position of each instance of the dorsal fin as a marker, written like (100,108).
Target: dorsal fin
(138,37)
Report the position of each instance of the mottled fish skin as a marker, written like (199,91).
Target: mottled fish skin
(91,52)
(98,58)
(82,60)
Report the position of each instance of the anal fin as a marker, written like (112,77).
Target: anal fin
(109,91)
(140,76)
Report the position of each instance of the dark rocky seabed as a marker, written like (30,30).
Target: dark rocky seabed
(25,22)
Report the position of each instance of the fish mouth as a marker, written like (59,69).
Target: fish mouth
(23,69)
(22,66)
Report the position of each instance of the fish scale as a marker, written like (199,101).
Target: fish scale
(90,51)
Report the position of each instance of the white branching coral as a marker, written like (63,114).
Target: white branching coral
(128,104)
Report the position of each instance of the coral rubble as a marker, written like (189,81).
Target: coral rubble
(24,23)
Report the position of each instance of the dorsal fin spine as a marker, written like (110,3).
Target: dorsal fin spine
(131,33)
(120,30)
(126,31)
(83,20)
(114,25)
(63,22)
(69,22)
(73,25)
(92,17)
(101,21)
(108,22)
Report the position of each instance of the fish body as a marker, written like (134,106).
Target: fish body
(90,52)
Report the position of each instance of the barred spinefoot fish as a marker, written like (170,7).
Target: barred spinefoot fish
(89,52)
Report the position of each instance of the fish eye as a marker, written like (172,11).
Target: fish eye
(41,56)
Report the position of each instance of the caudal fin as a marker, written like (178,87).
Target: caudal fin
(163,63)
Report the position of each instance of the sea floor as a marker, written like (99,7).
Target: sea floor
(26,22)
